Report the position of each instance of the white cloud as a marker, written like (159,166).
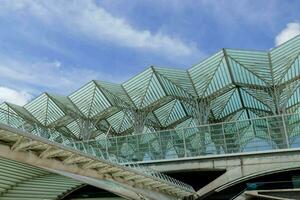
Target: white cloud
(86,19)
(291,30)
(231,14)
(14,96)
(45,76)
(57,64)
(89,19)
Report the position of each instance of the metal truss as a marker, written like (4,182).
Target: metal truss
(228,86)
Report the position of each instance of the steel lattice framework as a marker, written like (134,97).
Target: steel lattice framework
(230,85)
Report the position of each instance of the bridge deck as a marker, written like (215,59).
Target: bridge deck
(49,145)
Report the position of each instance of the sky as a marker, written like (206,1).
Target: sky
(59,45)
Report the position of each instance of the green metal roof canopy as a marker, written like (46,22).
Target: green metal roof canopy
(230,85)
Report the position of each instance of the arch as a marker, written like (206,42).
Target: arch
(251,169)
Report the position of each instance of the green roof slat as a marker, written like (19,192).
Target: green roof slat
(90,100)
(283,55)
(233,104)
(144,89)
(170,113)
(44,110)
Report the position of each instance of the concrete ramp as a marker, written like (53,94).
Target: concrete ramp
(42,149)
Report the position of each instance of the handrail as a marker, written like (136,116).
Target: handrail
(207,125)
(258,134)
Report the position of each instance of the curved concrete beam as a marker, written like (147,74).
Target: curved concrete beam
(251,168)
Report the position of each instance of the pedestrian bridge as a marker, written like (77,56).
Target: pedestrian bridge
(252,135)
(244,149)
(120,161)
(50,150)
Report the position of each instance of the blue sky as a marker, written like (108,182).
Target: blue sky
(58,45)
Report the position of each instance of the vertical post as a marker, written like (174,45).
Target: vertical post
(106,146)
(117,147)
(149,150)
(285,132)
(139,118)
(254,132)
(137,140)
(37,129)
(128,146)
(184,142)
(212,140)
(225,144)
(269,133)
(201,113)
(239,137)
(83,147)
(160,146)
(173,143)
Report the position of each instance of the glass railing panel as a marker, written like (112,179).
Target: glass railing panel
(179,143)
(121,147)
(113,148)
(231,137)
(274,132)
(155,146)
(278,131)
(262,135)
(292,124)
(218,138)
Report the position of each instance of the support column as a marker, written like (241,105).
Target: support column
(139,118)
(86,129)
(201,113)
(277,129)
(275,93)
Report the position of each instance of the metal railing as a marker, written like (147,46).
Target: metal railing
(252,135)
(54,136)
